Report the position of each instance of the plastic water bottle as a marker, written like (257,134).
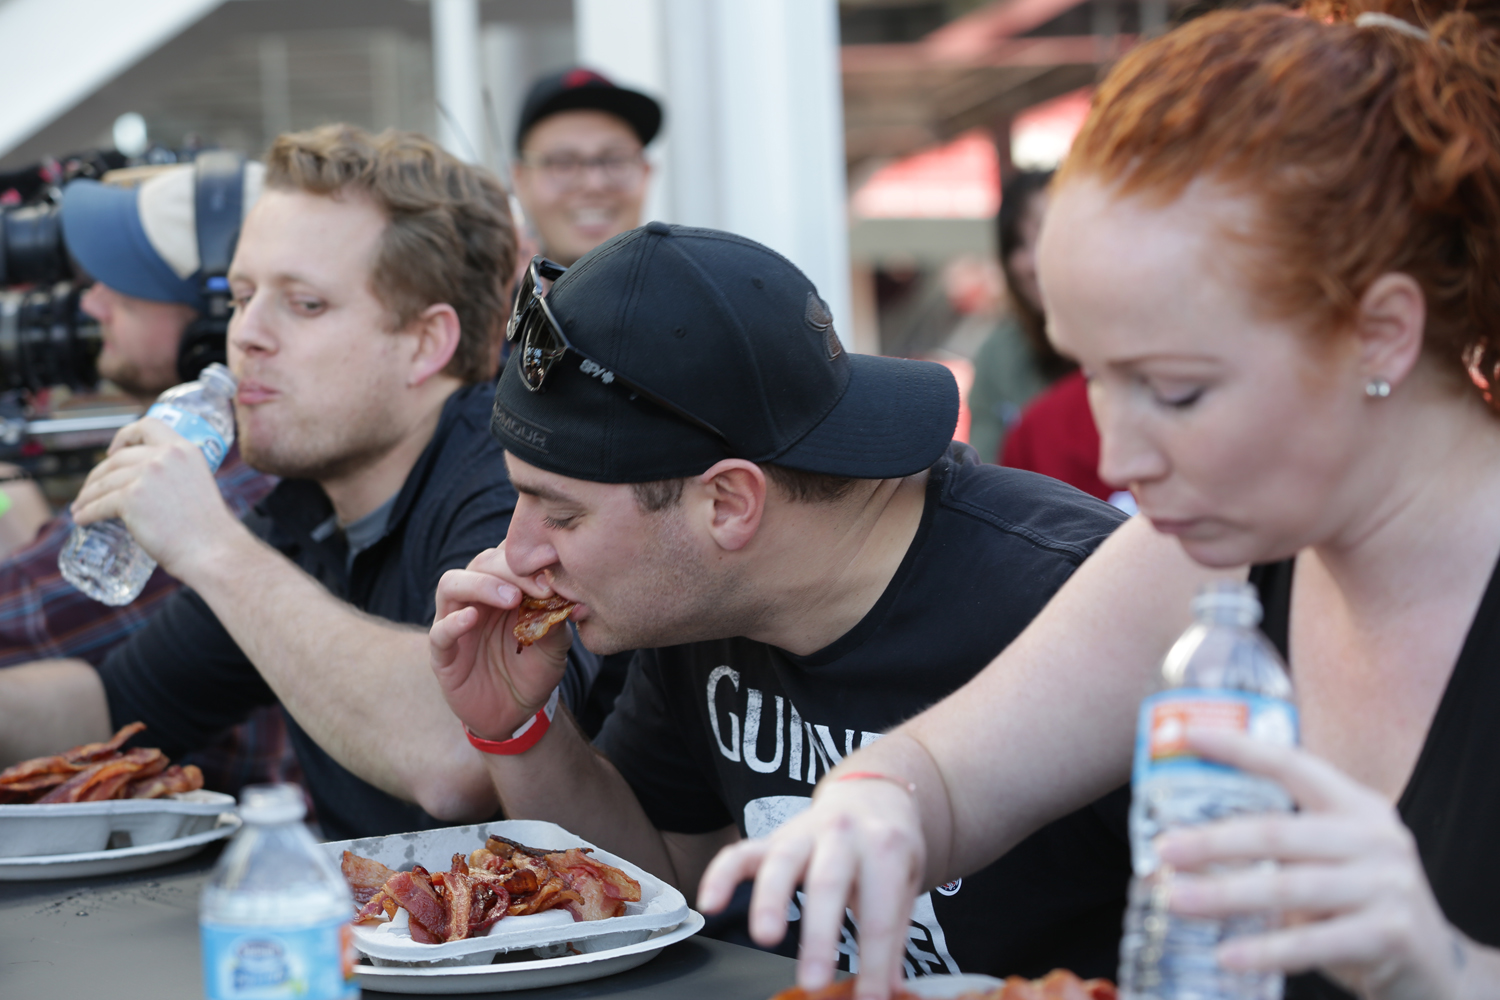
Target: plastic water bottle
(1221,674)
(275,915)
(102,559)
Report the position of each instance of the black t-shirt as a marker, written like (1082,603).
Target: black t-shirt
(1449,804)
(737,732)
(188,681)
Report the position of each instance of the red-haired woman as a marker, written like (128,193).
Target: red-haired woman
(1275,250)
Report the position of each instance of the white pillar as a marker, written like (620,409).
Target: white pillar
(623,39)
(459,87)
(754,116)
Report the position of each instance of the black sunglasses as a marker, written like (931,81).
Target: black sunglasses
(542,344)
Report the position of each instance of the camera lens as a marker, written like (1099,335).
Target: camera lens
(32,251)
(46,340)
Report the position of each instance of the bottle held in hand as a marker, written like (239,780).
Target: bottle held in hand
(1222,673)
(102,559)
(275,915)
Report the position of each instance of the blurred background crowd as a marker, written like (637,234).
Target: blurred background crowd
(896,150)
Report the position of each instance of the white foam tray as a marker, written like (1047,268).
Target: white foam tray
(503,977)
(82,827)
(550,934)
(125,859)
(949,987)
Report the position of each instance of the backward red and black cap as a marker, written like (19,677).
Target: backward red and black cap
(732,333)
(581,89)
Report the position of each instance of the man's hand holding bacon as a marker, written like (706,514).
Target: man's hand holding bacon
(494,681)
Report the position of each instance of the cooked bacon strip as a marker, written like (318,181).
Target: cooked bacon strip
(41,782)
(172,781)
(841,990)
(117,773)
(545,898)
(413,890)
(617,885)
(522,883)
(503,848)
(1059,984)
(492,905)
(92,752)
(537,615)
(366,878)
(38,768)
(458,896)
(602,889)
(78,787)
(380,904)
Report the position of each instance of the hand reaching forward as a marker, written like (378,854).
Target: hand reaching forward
(159,484)
(490,685)
(859,845)
(1357,903)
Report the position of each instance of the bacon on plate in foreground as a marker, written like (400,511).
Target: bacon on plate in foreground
(1059,984)
(500,879)
(95,772)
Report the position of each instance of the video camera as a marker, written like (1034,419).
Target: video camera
(45,338)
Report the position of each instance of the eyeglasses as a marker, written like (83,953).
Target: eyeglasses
(569,170)
(542,344)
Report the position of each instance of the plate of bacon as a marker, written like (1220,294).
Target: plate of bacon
(1059,984)
(96,804)
(489,902)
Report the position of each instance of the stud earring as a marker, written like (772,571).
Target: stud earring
(1377,388)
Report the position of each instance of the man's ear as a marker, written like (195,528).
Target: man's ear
(736,490)
(436,334)
(1389,324)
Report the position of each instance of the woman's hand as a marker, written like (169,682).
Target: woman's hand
(1349,883)
(859,845)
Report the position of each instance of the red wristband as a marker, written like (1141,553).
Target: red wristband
(522,739)
(875,776)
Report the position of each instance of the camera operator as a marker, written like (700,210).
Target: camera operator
(140,246)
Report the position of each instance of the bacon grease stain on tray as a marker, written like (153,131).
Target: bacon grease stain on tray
(549,933)
(537,615)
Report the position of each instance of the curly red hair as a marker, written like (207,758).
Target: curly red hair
(1368,150)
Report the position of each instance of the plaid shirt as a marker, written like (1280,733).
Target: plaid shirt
(43,617)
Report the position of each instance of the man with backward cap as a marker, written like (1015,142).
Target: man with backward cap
(802,558)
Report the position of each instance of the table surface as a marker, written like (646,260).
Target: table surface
(131,936)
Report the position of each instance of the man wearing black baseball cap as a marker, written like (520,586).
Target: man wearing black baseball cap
(580,170)
(803,559)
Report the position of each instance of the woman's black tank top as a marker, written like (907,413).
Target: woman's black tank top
(1452,802)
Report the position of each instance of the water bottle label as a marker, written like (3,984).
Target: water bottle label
(1161,737)
(267,963)
(195,429)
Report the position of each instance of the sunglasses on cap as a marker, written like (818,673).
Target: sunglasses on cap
(541,343)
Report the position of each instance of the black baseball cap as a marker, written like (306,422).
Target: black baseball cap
(585,89)
(731,332)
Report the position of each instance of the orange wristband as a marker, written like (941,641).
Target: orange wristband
(522,739)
